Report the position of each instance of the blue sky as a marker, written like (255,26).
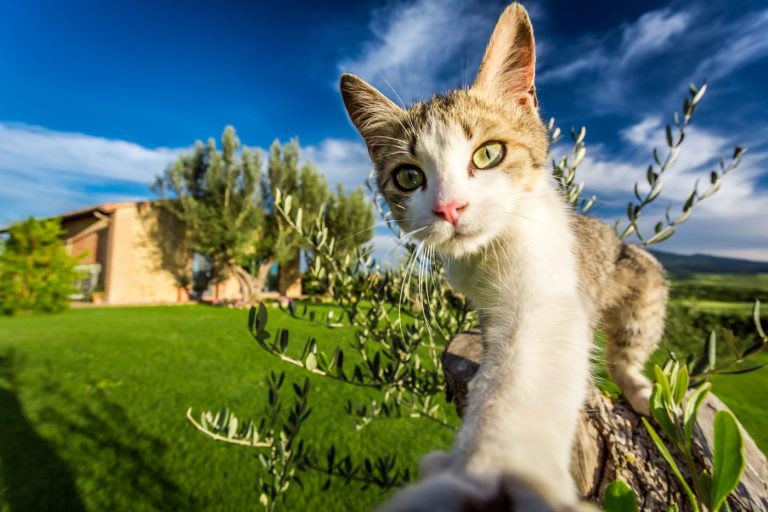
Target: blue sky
(97,97)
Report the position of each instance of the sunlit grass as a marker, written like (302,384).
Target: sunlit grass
(729,280)
(92,406)
(103,393)
(714,306)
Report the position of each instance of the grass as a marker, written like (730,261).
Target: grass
(727,280)
(716,306)
(745,395)
(93,404)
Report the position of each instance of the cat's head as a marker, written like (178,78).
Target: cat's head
(456,170)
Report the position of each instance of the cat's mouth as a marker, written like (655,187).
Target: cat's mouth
(461,235)
(461,241)
(454,240)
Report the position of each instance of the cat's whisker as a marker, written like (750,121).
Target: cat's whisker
(401,241)
(494,244)
(421,295)
(434,279)
(407,282)
(409,234)
(376,225)
(402,103)
(402,290)
(430,269)
(387,137)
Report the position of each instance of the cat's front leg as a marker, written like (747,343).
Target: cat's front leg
(524,403)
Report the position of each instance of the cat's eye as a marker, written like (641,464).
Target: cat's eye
(488,155)
(408,178)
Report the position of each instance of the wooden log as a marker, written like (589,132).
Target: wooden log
(612,442)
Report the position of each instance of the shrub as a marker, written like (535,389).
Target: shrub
(36,272)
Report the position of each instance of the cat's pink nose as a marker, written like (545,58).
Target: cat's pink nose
(450,211)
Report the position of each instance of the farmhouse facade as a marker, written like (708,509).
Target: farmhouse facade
(136,253)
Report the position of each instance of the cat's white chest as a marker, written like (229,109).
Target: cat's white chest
(481,285)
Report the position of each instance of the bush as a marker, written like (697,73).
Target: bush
(715,292)
(36,272)
(687,328)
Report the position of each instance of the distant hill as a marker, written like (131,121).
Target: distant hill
(682,265)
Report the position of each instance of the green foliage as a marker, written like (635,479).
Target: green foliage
(277,432)
(619,497)
(686,321)
(287,175)
(349,219)
(676,414)
(36,271)
(285,451)
(716,293)
(734,356)
(564,170)
(227,204)
(217,194)
(728,464)
(646,194)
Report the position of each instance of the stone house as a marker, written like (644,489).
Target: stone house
(135,253)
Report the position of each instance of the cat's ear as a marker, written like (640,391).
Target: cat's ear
(509,63)
(370,111)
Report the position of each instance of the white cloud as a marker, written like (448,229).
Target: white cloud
(747,41)
(652,32)
(34,150)
(729,223)
(341,160)
(649,34)
(421,47)
(45,172)
(620,59)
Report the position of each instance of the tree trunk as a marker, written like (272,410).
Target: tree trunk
(245,280)
(613,443)
(289,280)
(260,281)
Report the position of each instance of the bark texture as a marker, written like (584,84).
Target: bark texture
(613,443)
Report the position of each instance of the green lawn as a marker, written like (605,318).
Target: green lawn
(92,405)
(714,306)
(728,280)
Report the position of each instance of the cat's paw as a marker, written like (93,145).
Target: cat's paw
(434,463)
(640,400)
(451,492)
(445,492)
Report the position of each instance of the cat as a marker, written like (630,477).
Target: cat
(466,174)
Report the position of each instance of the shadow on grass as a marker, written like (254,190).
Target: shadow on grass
(116,466)
(34,476)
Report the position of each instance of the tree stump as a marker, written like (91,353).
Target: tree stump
(612,442)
